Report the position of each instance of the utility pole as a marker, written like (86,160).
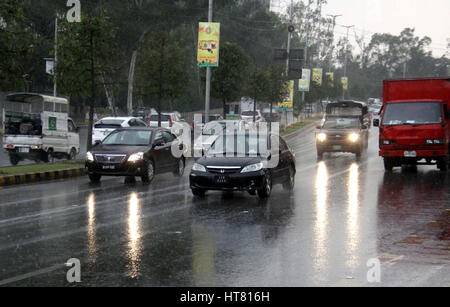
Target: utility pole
(346,58)
(291,14)
(307,42)
(208,71)
(56,58)
(334,26)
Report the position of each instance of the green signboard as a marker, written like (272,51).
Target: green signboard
(52,123)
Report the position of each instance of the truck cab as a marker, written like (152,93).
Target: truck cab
(37,127)
(415,123)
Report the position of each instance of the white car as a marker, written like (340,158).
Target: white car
(209,134)
(106,125)
(248,116)
(171,121)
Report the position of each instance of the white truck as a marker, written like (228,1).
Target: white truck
(37,127)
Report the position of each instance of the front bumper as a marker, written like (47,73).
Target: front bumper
(335,146)
(122,169)
(420,154)
(227,182)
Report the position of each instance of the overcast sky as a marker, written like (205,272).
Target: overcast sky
(428,17)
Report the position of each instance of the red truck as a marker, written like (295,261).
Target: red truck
(415,123)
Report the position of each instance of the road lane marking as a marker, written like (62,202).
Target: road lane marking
(31,275)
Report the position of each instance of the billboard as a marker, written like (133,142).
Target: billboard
(305,82)
(208,44)
(288,97)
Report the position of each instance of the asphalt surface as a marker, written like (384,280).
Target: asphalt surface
(343,214)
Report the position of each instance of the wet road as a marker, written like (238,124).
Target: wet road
(342,214)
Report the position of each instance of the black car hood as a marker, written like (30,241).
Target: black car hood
(228,161)
(118,149)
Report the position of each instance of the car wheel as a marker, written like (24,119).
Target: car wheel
(14,159)
(443,164)
(50,157)
(72,154)
(149,173)
(198,192)
(266,189)
(388,164)
(290,184)
(95,178)
(181,166)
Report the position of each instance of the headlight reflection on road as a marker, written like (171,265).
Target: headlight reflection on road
(92,245)
(321,191)
(134,235)
(353,214)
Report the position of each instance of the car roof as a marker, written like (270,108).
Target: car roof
(119,118)
(142,128)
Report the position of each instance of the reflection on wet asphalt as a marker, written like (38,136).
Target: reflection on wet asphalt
(342,213)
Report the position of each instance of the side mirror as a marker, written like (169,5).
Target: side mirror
(158,143)
(319,127)
(364,127)
(77,130)
(376,122)
(98,142)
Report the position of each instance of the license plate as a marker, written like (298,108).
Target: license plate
(24,149)
(221,179)
(108,167)
(337,147)
(410,154)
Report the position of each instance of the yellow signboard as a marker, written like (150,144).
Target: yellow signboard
(344,81)
(288,97)
(317,76)
(208,44)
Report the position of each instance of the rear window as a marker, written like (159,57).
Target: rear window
(109,123)
(164,118)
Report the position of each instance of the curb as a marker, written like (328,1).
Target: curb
(42,176)
(301,129)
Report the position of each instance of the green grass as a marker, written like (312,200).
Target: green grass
(37,168)
(298,125)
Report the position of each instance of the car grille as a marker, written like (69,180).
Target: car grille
(337,137)
(114,159)
(224,169)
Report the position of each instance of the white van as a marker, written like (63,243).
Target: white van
(37,127)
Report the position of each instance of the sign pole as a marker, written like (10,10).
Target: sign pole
(208,72)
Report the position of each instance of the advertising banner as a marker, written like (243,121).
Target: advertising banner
(288,97)
(305,82)
(344,81)
(317,76)
(330,76)
(208,44)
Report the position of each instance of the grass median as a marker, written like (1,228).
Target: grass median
(298,125)
(37,168)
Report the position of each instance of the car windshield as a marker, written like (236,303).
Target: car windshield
(215,128)
(240,145)
(109,123)
(344,111)
(164,118)
(129,138)
(248,113)
(412,113)
(342,123)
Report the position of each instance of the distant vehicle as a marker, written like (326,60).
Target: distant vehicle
(374,110)
(349,108)
(171,121)
(144,113)
(213,130)
(415,123)
(106,125)
(211,118)
(343,134)
(275,114)
(37,127)
(243,169)
(131,152)
(248,116)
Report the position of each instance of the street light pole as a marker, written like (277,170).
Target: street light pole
(330,54)
(56,58)
(208,71)
(291,13)
(346,58)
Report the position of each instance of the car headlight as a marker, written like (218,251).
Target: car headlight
(136,157)
(199,168)
(36,147)
(354,137)
(253,168)
(434,141)
(89,157)
(321,137)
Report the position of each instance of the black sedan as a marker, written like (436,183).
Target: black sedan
(244,163)
(342,134)
(131,152)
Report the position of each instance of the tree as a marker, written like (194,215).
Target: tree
(16,46)
(228,80)
(162,72)
(84,50)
